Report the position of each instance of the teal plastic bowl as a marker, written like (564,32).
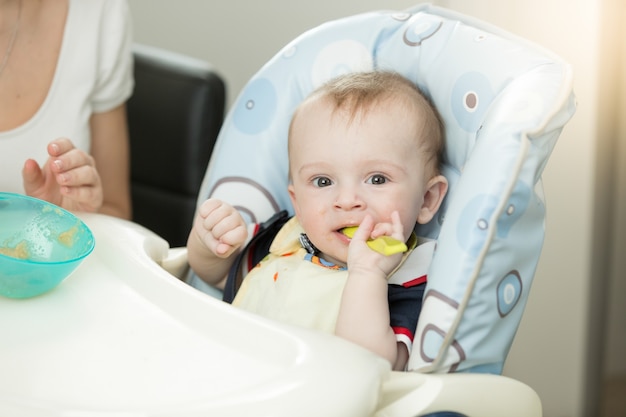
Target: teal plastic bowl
(40,245)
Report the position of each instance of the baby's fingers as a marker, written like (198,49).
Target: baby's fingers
(398,229)
(364,230)
(222,223)
(221,227)
(231,241)
(208,206)
(393,229)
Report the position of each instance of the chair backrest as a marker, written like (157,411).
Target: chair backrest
(504,102)
(174,116)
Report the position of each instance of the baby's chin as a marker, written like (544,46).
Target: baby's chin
(336,260)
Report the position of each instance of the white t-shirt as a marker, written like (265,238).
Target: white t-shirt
(93,74)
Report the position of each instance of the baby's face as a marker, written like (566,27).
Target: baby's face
(342,170)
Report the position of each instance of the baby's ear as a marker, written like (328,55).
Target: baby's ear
(292,197)
(433,196)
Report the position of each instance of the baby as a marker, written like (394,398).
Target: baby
(364,150)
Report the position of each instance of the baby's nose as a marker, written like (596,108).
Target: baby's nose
(349,200)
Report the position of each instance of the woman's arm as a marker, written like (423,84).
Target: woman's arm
(110,150)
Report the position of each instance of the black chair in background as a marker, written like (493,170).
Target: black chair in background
(174,116)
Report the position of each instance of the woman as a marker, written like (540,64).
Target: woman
(65,75)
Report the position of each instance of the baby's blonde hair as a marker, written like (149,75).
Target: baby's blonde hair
(358,93)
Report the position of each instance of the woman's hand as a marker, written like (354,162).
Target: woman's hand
(68,179)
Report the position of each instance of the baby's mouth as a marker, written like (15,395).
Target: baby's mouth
(384,244)
(348,231)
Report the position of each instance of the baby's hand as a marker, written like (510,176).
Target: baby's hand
(363,257)
(386,245)
(220,227)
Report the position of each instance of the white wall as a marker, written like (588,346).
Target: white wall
(238,36)
(558,347)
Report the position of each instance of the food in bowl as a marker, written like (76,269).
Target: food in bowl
(19,252)
(40,245)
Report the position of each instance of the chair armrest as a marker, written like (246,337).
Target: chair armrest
(409,394)
(175,262)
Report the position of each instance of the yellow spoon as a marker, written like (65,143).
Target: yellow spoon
(384,244)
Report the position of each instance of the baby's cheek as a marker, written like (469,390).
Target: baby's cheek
(408,220)
(322,212)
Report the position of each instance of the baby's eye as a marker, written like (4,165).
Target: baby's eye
(377,179)
(322,182)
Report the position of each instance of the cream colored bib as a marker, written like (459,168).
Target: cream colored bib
(292,286)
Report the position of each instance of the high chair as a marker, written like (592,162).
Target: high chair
(123,336)
(504,102)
